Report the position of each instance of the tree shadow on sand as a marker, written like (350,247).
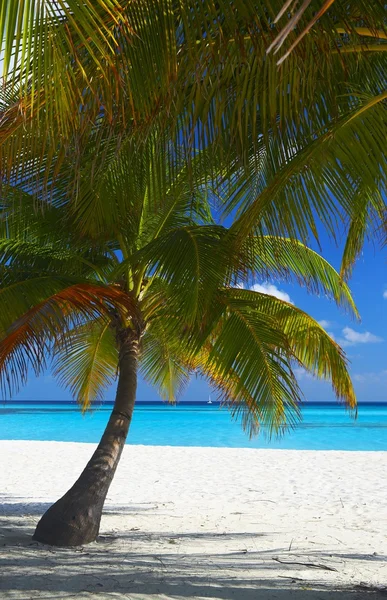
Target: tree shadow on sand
(38,508)
(157,565)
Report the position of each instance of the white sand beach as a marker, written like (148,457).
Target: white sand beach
(194,523)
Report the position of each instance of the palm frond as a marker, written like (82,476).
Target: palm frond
(191,261)
(85,361)
(250,362)
(359,226)
(34,241)
(144,188)
(162,359)
(36,312)
(309,344)
(290,7)
(286,258)
(318,182)
(249,352)
(28,259)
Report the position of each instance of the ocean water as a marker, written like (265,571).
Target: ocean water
(324,427)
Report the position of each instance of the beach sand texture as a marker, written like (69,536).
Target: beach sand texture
(194,523)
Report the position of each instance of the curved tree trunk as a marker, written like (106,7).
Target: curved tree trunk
(75,518)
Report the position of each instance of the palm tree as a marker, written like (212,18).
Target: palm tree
(89,253)
(139,274)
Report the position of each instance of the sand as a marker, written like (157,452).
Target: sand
(194,523)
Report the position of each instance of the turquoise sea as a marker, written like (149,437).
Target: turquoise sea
(324,427)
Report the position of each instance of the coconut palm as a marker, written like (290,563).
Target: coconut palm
(140,275)
(115,259)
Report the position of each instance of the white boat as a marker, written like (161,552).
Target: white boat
(209,400)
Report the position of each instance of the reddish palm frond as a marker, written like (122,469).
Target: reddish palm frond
(30,339)
(291,5)
(281,37)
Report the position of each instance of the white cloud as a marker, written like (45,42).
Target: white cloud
(354,337)
(385,294)
(301,373)
(324,323)
(370,377)
(360,378)
(272,290)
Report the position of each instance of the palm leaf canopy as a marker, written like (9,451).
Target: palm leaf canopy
(95,74)
(143,248)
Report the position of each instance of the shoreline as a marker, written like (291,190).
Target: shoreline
(191,522)
(181,446)
(220,448)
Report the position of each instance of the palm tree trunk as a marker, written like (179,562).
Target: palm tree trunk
(75,518)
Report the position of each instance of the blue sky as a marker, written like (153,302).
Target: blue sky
(365,342)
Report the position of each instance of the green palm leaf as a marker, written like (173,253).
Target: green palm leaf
(85,361)
(188,258)
(286,258)
(249,351)
(250,360)
(291,198)
(309,344)
(162,360)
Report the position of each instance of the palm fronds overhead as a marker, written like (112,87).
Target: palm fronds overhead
(198,70)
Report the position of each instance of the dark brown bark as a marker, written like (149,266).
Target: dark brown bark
(75,518)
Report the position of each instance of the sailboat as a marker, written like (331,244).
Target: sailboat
(209,400)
